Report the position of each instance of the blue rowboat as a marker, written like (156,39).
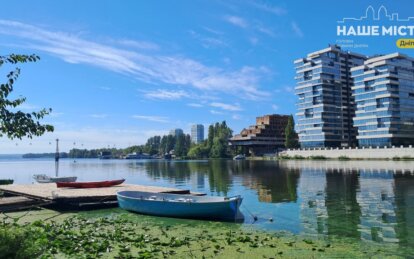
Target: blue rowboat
(180,206)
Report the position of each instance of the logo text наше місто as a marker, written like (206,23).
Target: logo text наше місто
(375,30)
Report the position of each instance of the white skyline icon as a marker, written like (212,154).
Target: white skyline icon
(382,13)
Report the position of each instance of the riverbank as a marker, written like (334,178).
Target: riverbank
(369,153)
(118,234)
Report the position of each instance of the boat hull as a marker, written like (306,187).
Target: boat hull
(47,179)
(99,184)
(198,208)
(6,181)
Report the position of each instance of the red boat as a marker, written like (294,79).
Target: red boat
(90,184)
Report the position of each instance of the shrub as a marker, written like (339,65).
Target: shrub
(298,157)
(344,158)
(21,241)
(283,157)
(317,157)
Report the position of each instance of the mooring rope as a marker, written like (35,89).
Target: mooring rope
(251,214)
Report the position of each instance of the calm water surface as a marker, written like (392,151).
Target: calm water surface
(362,200)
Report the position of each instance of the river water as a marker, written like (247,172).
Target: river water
(361,200)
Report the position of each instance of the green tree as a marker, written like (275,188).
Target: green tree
(291,138)
(17,124)
(198,151)
(218,150)
(210,135)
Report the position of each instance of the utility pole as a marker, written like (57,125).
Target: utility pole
(57,151)
(57,158)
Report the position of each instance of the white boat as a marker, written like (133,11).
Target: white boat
(239,157)
(137,156)
(180,206)
(42,178)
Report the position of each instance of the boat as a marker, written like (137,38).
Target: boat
(42,178)
(239,157)
(98,184)
(137,156)
(105,155)
(180,206)
(6,181)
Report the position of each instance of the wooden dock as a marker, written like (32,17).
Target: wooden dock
(49,193)
(20,203)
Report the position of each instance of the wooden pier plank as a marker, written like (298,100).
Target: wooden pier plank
(19,203)
(49,191)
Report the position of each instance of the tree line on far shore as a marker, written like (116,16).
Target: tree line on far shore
(215,146)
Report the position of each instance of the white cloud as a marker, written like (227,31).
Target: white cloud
(173,69)
(27,107)
(269,8)
(139,44)
(98,116)
(236,20)
(296,29)
(227,107)
(289,89)
(55,114)
(151,118)
(216,112)
(197,105)
(213,31)
(105,88)
(236,117)
(208,42)
(265,30)
(275,107)
(253,40)
(166,94)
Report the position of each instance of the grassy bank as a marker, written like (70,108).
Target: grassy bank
(119,234)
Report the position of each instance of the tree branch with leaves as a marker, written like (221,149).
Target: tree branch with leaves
(17,124)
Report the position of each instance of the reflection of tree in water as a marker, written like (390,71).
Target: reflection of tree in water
(176,171)
(219,176)
(341,203)
(273,182)
(404,199)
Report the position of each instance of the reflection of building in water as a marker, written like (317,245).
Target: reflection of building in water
(197,180)
(341,203)
(313,209)
(273,184)
(404,202)
(363,199)
(376,202)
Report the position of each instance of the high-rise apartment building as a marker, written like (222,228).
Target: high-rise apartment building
(384,95)
(176,132)
(326,106)
(197,133)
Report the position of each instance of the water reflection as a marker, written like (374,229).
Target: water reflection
(370,200)
(272,182)
(361,200)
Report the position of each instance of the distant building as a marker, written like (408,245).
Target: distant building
(176,132)
(197,133)
(267,136)
(384,95)
(326,106)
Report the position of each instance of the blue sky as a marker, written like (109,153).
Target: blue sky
(116,73)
